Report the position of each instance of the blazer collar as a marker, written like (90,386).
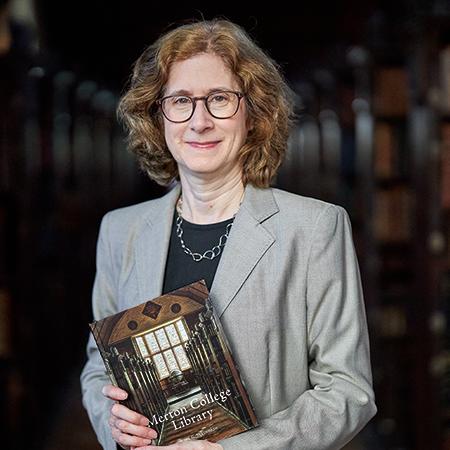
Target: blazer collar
(153,245)
(247,243)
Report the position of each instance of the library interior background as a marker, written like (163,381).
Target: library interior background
(372,85)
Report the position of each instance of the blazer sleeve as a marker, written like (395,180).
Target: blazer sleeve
(93,376)
(341,399)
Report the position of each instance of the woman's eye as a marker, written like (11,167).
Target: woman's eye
(180,100)
(219,98)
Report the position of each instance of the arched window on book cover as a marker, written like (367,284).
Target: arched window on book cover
(164,346)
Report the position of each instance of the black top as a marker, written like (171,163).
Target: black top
(181,269)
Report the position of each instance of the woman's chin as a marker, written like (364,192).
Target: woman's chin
(204,172)
(204,168)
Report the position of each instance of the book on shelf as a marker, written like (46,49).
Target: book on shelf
(171,355)
(386,148)
(445,166)
(444,69)
(391,92)
(393,215)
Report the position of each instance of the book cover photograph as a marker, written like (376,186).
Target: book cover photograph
(171,355)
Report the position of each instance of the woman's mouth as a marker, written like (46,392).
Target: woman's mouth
(205,144)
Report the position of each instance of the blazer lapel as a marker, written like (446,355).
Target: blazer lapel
(153,245)
(248,242)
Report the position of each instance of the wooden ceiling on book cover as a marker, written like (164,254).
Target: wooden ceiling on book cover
(153,313)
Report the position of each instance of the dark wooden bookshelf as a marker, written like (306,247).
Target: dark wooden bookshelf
(411,377)
(394,180)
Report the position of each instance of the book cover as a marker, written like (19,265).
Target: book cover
(171,355)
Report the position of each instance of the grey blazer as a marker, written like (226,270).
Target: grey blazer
(288,292)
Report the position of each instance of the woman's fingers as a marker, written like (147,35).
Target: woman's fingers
(126,440)
(114,392)
(125,426)
(124,413)
(129,428)
(186,445)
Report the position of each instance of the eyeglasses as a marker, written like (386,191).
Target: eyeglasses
(180,108)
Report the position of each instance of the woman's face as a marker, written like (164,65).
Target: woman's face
(204,146)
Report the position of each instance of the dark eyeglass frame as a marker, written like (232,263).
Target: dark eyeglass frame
(194,101)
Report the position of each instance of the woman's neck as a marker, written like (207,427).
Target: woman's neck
(211,201)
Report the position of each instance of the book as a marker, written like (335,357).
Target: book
(393,215)
(444,82)
(445,166)
(386,147)
(171,355)
(391,92)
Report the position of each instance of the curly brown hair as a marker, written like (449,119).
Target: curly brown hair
(268,98)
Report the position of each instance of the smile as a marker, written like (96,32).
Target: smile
(209,144)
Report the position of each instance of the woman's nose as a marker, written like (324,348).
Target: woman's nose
(201,119)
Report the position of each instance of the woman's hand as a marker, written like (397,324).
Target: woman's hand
(128,428)
(186,445)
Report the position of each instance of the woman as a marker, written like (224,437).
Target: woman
(207,107)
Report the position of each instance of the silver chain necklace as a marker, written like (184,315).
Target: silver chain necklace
(208,254)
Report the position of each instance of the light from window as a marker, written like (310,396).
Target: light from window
(164,347)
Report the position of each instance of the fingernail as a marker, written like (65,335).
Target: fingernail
(145,421)
(123,395)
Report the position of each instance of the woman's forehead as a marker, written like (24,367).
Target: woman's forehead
(199,75)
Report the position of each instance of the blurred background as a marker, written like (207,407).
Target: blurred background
(372,81)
